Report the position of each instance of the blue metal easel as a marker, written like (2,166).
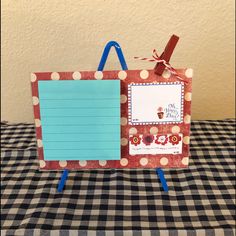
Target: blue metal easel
(62,181)
(101,65)
(106,52)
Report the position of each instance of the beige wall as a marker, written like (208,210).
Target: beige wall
(70,35)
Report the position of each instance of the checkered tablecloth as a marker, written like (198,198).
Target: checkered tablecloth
(200,201)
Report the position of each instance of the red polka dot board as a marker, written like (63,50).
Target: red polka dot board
(154,121)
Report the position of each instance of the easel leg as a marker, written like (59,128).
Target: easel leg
(62,181)
(161,175)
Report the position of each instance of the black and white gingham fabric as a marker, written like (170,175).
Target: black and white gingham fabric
(200,201)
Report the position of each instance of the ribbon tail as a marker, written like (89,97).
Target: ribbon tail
(157,59)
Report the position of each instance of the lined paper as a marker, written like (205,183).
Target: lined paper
(80,119)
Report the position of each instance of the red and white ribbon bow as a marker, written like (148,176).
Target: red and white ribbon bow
(157,59)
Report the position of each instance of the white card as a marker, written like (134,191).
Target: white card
(154,103)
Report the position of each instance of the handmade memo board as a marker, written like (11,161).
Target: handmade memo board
(112,119)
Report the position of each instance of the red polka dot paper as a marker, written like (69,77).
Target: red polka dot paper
(127,161)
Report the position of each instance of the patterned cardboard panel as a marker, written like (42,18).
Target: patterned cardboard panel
(164,141)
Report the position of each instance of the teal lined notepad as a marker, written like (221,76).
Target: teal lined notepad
(80,119)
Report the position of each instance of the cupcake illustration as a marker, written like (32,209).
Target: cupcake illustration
(160,112)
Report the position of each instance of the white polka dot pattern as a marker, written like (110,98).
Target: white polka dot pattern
(62,163)
(143,161)
(187,119)
(186,140)
(124,141)
(39,143)
(188,97)
(35,101)
(122,75)
(153,130)
(123,98)
(189,73)
(76,75)
(33,77)
(55,76)
(37,122)
(123,121)
(164,161)
(98,75)
(102,162)
(133,130)
(175,129)
(124,162)
(166,74)
(42,163)
(185,161)
(144,74)
(82,163)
